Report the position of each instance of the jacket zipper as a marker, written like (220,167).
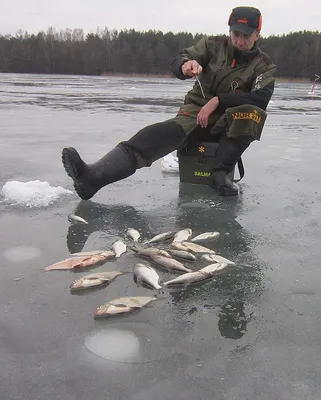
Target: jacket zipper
(234,69)
(220,81)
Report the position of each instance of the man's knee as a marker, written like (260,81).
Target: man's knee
(245,121)
(154,141)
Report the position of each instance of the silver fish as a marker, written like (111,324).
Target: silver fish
(205,236)
(183,254)
(119,248)
(217,258)
(88,253)
(82,261)
(182,235)
(94,280)
(196,248)
(76,218)
(160,237)
(133,234)
(123,305)
(197,276)
(145,274)
(169,263)
(151,251)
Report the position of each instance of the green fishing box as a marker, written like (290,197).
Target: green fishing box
(197,162)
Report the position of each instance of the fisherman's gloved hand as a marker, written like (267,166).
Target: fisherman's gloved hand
(247,120)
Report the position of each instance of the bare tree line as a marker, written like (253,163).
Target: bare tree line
(297,54)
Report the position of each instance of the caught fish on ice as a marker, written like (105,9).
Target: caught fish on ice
(119,248)
(182,235)
(205,236)
(150,251)
(94,280)
(123,305)
(133,234)
(182,254)
(170,264)
(195,248)
(76,219)
(82,262)
(161,237)
(201,275)
(146,275)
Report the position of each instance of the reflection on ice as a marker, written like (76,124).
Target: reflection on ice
(32,193)
(119,345)
(130,342)
(21,253)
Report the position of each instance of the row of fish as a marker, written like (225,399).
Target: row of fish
(144,274)
(180,243)
(182,235)
(179,236)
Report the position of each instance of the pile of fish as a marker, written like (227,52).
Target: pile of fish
(175,248)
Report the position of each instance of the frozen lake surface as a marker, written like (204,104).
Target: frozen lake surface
(253,333)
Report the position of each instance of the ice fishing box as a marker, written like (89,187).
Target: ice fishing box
(197,162)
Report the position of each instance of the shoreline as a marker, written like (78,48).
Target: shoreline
(167,76)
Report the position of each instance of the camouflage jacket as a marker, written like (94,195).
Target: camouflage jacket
(236,77)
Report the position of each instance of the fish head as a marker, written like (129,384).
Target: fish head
(140,265)
(77,284)
(87,282)
(111,309)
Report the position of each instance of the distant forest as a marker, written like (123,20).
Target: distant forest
(297,55)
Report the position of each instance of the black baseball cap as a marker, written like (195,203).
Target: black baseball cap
(245,19)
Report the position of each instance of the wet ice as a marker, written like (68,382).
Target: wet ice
(21,253)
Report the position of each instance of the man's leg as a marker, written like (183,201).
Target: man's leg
(228,153)
(238,127)
(147,146)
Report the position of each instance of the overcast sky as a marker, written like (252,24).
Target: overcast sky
(203,16)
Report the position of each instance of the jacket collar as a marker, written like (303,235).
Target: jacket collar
(241,57)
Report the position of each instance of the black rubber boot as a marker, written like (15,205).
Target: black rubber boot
(221,182)
(228,153)
(89,178)
(141,150)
